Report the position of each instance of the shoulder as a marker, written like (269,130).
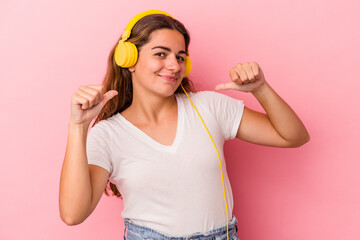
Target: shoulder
(104,127)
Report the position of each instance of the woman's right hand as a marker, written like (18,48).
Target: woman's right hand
(87,102)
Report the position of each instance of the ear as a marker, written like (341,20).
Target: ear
(132,69)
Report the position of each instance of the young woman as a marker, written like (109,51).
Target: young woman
(154,148)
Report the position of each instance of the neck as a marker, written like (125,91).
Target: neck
(152,108)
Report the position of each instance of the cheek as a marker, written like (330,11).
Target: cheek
(146,64)
(183,69)
(154,65)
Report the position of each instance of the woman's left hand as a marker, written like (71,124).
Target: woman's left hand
(245,77)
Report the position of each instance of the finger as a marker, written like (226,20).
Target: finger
(242,73)
(256,70)
(97,92)
(109,95)
(220,86)
(90,97)
(235,77)
(226,86)
(100,88)
(80,100)
(249,72)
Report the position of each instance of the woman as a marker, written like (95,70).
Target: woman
(149,142)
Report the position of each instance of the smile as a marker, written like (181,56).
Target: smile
(168,78)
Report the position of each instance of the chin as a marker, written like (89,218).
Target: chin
(166,91)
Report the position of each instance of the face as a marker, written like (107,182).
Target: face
(161,64)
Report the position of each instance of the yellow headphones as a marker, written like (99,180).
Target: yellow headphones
(126,53)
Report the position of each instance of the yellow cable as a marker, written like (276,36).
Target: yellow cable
(222,177)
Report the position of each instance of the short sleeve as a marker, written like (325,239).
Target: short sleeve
(97,149)
(228,112)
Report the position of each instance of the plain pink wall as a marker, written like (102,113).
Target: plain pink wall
(308,51)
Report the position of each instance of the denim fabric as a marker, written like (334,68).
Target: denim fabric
(137,232)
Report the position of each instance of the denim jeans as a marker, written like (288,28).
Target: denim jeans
(137,232)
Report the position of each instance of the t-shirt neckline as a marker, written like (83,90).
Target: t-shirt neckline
(142,136)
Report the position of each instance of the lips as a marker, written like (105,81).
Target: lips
(169,78)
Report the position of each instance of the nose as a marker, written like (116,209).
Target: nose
(173,64)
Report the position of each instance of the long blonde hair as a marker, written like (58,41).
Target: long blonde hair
(119,79)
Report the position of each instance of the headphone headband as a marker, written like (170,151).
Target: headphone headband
(134,20)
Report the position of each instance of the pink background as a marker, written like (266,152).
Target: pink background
(308,51)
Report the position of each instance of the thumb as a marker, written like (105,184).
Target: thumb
(225,86)
(108,95)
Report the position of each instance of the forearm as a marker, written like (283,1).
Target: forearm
(75,187)
(282,117)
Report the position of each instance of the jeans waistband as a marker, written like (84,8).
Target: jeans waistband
(143,232)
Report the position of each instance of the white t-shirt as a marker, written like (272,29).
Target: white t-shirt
(175,189)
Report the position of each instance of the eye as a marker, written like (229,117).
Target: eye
(180,58)
(160,54)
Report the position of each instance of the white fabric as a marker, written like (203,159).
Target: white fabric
(174,189)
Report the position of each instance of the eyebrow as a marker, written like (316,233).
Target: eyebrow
(168,49)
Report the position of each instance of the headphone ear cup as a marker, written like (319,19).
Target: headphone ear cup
(125,54)
(188,65)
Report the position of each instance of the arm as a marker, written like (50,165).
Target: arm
(81,184)
(280,126)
